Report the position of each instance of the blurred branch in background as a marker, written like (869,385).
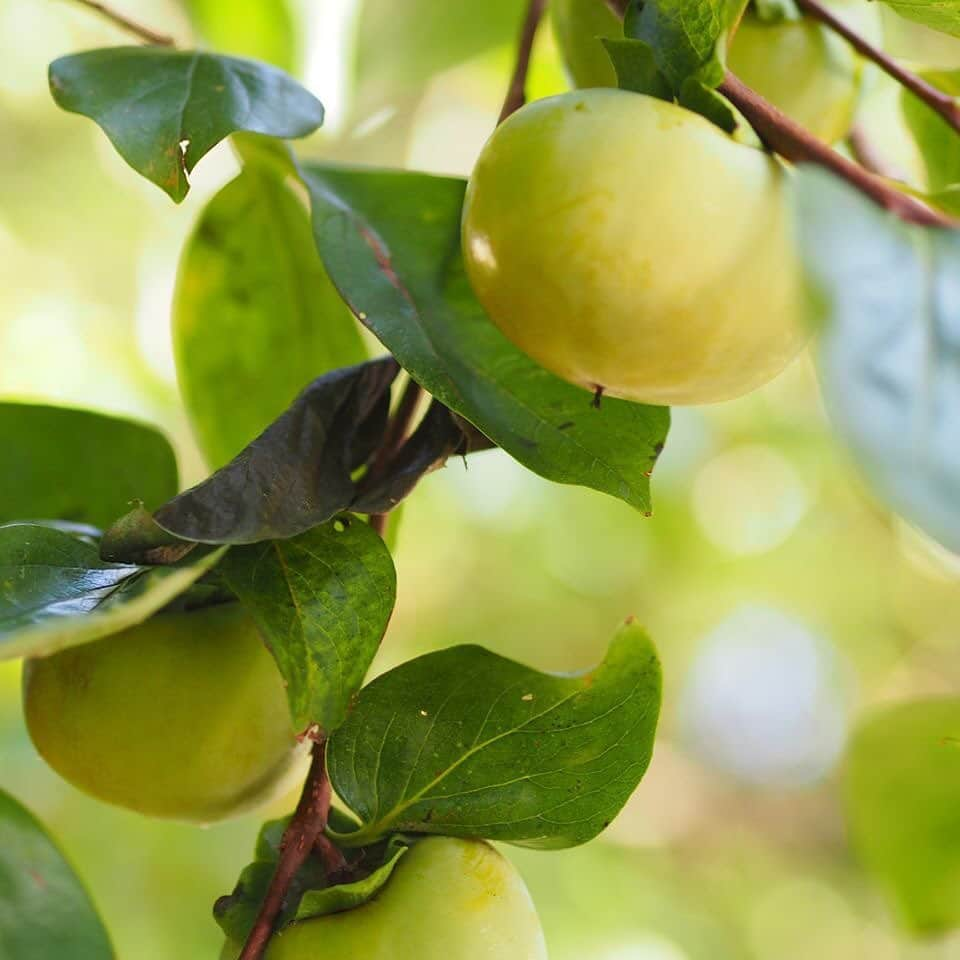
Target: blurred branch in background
(131,26)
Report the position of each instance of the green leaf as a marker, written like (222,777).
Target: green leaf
(299,472)
(903,805)
(942,15)
(56,592)
(467,743)
(262,29)
(322,602)
(255,316)
(66,464)
(391,244)
(937,141)
(311,894)
(164,110)
(686,37)
(45,912)
(885,295)
(636,68)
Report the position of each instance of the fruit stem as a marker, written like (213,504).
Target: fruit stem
(936,99)
(397,431)
(299,840)
(131,26)
(516,93)
(787,138)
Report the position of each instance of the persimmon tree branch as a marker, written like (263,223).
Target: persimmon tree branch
(517,91)
(299,840)
(937,100)
(125,23)
(796,144)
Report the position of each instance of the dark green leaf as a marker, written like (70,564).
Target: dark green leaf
(255,316)
(466,743)
(636,68)
(66,464)
(58,593)
(938,142)
(262,29)
(942,15)
(391,243)
(312,893)
(137,538)
(45,912)
(164,109)
(903,806)
(298,472)
(322,602)
(886,296)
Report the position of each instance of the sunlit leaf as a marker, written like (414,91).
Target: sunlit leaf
(466,743)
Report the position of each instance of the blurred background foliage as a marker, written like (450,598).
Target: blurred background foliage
(784,600)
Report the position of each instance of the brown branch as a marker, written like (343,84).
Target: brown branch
(299,839)
(131,26)
(936,99)
(794,143)
(516,93)
(619,7)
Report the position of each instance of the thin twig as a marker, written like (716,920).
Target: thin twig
(299,840)
(794,143)
(517,91)
(131,26)
(936,99)
(619,7)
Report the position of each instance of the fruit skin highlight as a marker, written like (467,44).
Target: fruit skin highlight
(626,243)
(447,899)
(184,716)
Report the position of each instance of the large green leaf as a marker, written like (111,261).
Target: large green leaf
(255,316)
(937,141)
(942,15)
(262,29)
(66,464)
(322,602)
(391,244)
(45,912)
(903,805)
(886,295)
(466,743)
(164,109)
(58,593)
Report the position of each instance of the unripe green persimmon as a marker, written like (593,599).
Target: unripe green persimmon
(804,68)
(626,243)
(183,716)
(446,900)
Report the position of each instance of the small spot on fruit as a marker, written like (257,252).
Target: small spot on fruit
(527,697)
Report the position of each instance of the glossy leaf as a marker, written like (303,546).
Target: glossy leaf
(255,316)
(61,463)
(45,912)
(903,805)
(322,602)
(298,472)
(262,29)
(57,592)
(937,141)
(391,244)
(886,296)
(165,109)
(942,15)
(467,743)
(312,894)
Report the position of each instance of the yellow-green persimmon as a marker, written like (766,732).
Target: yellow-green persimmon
(447,899)
(804,68)
(628,244)
(579,26)
(184,716)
